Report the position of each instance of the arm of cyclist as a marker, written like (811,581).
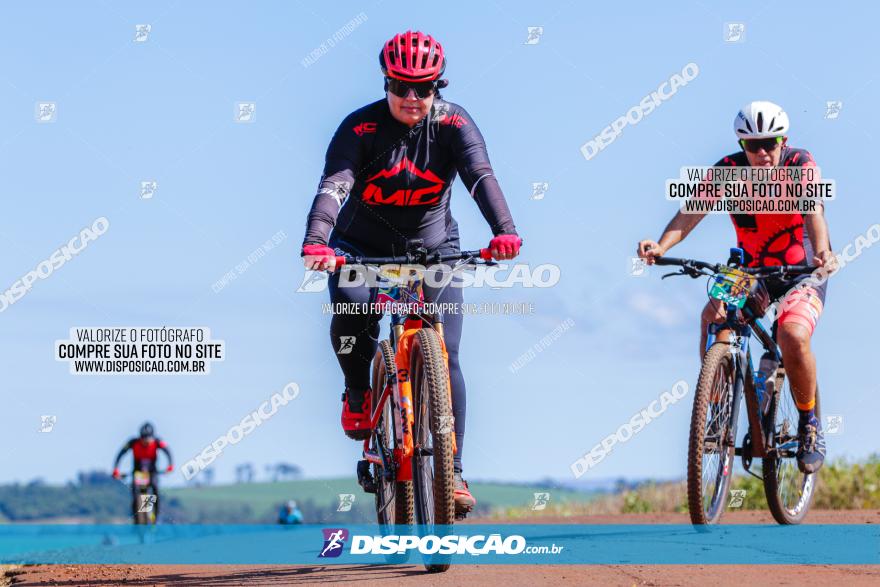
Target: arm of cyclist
(676,231)
(342,162)
(817,230)
(475,170)
(119,456)
(164,448)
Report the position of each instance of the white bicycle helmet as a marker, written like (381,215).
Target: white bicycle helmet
(761,120)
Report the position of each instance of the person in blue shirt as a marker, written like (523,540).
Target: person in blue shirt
(290,514)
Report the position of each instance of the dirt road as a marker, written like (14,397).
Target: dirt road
(484,575)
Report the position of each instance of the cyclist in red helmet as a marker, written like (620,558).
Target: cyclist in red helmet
(387,179)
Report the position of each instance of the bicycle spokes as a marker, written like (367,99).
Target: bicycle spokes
(789,492)
(424,453)
(718,431)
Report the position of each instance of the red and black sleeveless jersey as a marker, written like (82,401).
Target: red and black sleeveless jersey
(385,183)
(772,239)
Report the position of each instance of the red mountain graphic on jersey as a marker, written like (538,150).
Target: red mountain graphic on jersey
(423,187)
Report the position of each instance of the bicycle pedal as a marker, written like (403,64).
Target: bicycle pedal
(461,512)
(365,478)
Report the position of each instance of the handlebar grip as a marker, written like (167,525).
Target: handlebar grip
(668,261)
(340,261)
(486,254)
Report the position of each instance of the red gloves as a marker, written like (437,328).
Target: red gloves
(505,246)
(169,469)
(319,257)
(116,473)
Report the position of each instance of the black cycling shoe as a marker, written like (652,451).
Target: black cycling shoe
(811,445)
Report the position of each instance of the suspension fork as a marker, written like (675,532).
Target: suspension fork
(738,387)
(745,372)
(742,364)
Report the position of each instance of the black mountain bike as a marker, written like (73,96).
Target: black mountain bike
(725,377)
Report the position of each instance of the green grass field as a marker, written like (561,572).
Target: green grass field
(319,499)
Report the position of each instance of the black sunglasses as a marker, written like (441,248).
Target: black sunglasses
(401,88)
(755,145)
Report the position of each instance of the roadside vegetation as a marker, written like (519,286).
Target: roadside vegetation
(842,486)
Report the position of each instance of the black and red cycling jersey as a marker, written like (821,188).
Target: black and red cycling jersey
(772,239)
(775,239)
(385,183)
(144,452)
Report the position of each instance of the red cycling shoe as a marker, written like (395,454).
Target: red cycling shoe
(464,501)
(356,418)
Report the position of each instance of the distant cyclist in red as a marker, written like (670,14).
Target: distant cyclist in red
(144,450)
(387,179)
(773,239)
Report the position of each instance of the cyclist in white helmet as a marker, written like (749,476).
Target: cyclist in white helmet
(773,239)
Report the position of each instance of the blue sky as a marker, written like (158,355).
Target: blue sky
(163,109)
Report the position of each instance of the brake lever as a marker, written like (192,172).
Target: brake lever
(691,272)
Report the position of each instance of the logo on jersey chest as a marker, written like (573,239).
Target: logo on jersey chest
(363,128)
(422,186)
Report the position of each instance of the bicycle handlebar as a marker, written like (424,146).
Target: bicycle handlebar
(411,258)
(124,476)
(686,263)
(692,266)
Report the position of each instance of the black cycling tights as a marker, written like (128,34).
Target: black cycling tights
(356,360)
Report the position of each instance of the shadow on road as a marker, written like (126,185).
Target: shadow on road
(219,576)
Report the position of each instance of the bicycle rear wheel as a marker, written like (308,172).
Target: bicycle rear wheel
(712,437)
(432,436)
(789,492)
(394,499)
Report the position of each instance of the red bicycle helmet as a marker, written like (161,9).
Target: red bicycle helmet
(412,57)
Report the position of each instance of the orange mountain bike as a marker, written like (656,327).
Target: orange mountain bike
(407,460)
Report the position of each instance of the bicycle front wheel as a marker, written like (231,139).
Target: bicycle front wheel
(432,437)
(789,492)
(712,437)
(145,504)
(394,499)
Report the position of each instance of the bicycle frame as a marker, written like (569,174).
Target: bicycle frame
(398,385)
(744,383)
(397,464)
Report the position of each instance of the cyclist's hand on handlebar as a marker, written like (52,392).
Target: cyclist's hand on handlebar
(649,250)
(116,473)
(319,257)
(505,246)
(169,468)
(826,259)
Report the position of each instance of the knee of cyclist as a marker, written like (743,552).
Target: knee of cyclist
(793,338)
(710,315)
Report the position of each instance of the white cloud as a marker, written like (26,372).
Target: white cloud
(655,308)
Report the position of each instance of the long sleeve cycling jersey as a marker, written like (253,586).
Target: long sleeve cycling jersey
(385,183)
(143,452)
